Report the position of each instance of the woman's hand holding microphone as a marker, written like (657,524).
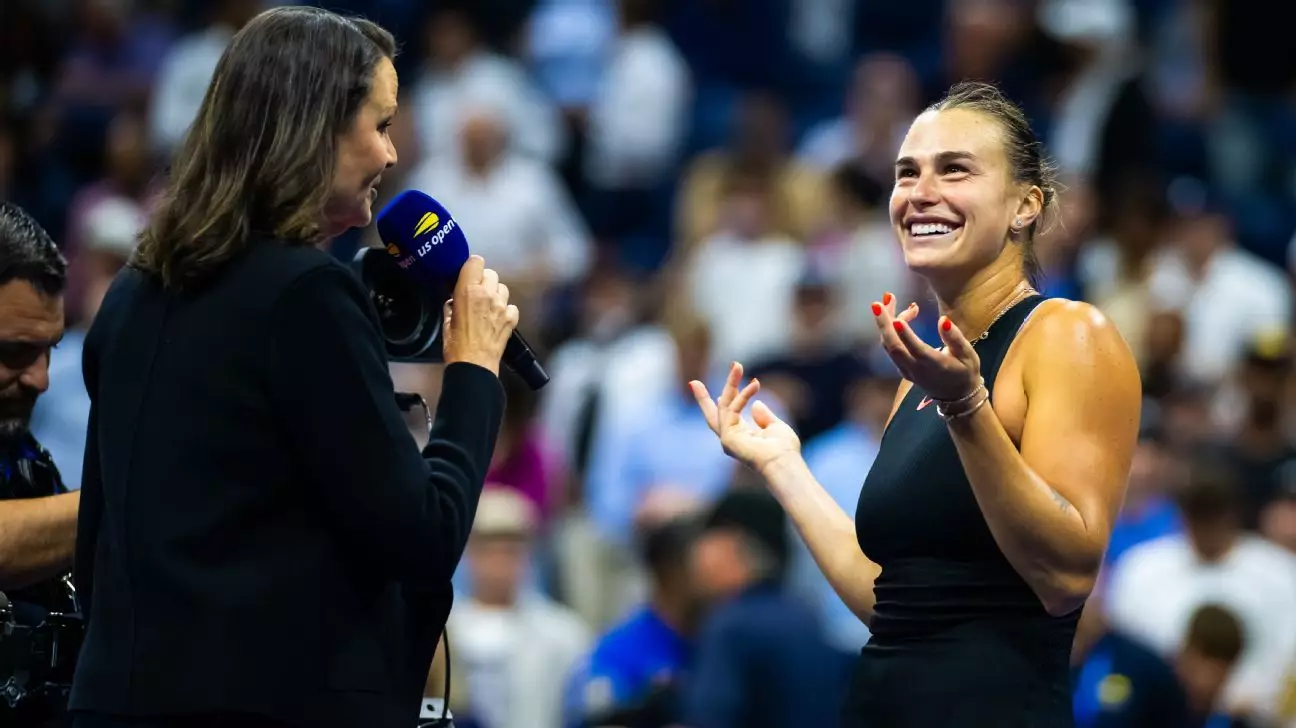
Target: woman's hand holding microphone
(478,319)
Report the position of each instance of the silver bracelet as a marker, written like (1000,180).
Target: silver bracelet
(948,416)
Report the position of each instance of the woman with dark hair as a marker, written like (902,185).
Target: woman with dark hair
(983,520)
(260,540)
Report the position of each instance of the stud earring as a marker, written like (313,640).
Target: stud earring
(1017,223)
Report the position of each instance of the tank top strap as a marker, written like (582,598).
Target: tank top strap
(1003,332)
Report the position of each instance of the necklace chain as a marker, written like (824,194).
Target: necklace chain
(1024,293)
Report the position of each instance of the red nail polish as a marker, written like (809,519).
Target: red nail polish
(877,309)
(947,325)
(899,326)
(886,298)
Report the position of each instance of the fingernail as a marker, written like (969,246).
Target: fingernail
(899,327)
(886,298)
(877,309)
(947,324)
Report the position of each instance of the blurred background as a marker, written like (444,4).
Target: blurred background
(669,185)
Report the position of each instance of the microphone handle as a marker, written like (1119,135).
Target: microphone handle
(519,357)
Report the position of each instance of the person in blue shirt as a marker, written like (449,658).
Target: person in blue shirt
(762,659)
(631,678)
(1119,683)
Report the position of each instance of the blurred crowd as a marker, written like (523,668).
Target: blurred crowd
(670,185)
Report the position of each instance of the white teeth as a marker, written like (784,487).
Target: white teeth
(930,228)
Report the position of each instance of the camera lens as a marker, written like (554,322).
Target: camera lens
(409,317)
(401,310)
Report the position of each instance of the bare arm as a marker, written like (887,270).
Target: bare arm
(1051,505)
(37,538)
(828,532)
(771,448)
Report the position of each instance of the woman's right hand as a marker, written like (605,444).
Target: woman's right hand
(478,320)
(755,444)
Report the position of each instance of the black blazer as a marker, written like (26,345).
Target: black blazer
(258,530)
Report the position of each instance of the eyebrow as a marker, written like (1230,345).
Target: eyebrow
(941,158)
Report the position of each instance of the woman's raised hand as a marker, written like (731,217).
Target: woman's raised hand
(755,443)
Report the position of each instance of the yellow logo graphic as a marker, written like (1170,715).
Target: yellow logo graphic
(427,224)
(1114,690)
(395,251)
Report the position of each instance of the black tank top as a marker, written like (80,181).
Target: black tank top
(918,519)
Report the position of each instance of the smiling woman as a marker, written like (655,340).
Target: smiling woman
(260,541)
(979,132)
(295,154)
(983,520)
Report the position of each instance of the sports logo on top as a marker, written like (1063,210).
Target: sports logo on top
(427,224)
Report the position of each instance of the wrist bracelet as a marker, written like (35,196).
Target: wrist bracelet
(975,391)
(958,412)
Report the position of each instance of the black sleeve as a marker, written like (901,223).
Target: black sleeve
(90,507)
(409,515)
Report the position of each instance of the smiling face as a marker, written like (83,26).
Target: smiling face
(955,199)
(365,151)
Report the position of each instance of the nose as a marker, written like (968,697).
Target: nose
(36,375)
(391,153)
(923,192)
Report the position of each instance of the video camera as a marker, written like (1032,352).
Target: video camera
(414,273)
(409,311)
(37,661)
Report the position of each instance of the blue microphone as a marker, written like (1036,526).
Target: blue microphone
(429,246)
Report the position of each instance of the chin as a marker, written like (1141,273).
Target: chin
(354,218)
(13,427)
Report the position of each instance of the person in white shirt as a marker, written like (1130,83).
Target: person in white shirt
(511,649)
(513,208)
(742,279)
(639,117)
(463,72)
(860,252)
(1225,295)
(1157,585)
(187,70)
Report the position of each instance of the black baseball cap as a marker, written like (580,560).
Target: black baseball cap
(755,513)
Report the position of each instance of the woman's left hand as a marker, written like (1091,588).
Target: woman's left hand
(946,375)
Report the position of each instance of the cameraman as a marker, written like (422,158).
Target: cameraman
(262,542)
(37,513)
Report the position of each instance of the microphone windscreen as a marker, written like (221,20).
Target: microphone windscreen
(423,238)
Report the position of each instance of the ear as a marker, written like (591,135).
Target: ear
(1028,209)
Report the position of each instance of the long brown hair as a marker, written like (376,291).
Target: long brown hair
(260,155)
